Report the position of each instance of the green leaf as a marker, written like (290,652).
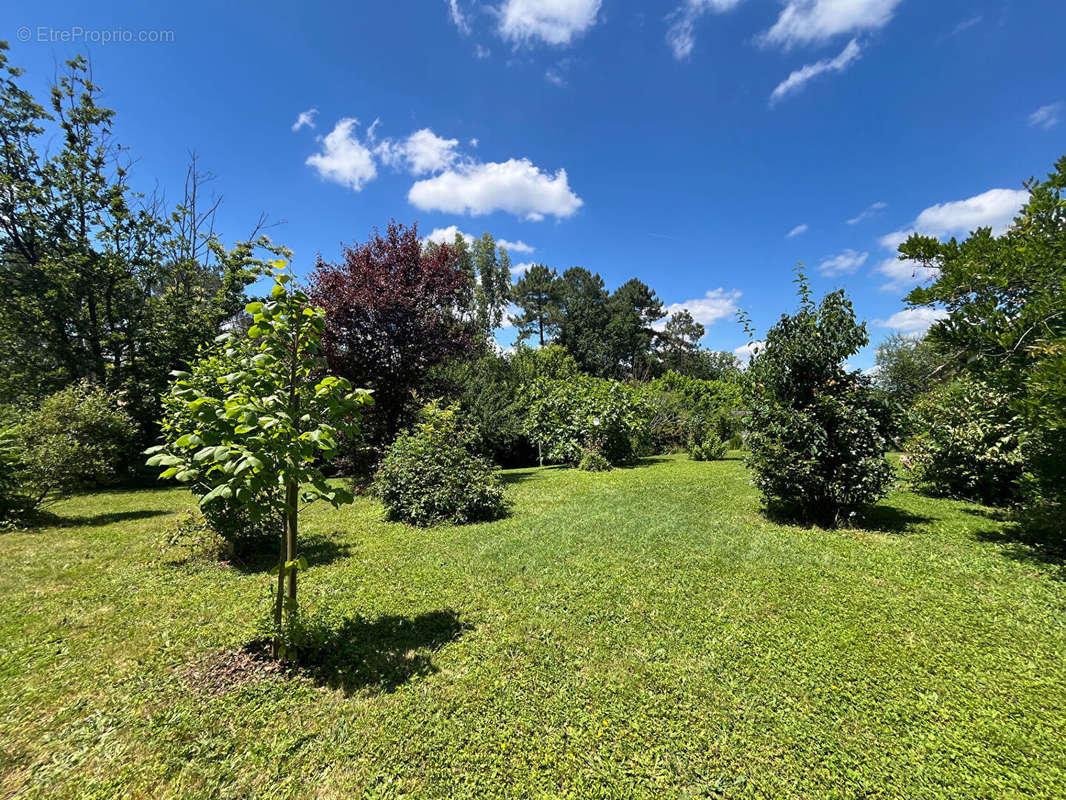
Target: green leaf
(164,460)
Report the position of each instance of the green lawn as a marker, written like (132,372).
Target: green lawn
(639,633)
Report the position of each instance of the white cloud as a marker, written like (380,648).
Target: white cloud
(305,118)
(815,21)
(966,24)
(515,247)
(344,159)
(800,77)
(447,235)
(913,320)
(481,52)
(552,75)
(868,212)
(904,274)
(515,186)
(746,351)
(1046,117)
(706,310)
(458,17)
(796,231)
(992,209)
(681,35)
(843,263)
(474,142)
(422,152)
(555,22)
(511,311)
(518,270)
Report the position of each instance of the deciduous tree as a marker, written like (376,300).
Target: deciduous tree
(261,444)
(394,311)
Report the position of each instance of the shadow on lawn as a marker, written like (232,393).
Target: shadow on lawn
(316,548)
(48,519)
(1034,538)
(877,519)
(520,475)
(889,519)
(380,655)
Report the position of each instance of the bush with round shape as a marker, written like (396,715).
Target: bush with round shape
(967,444)
(593,461)
(711,448)
(74,440)
(430,475)
(816,430)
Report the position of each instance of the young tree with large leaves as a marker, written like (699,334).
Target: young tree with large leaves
(394,311)
(261,440)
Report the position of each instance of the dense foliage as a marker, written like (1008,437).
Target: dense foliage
(816,440)
(489,391)
(261,443)
(684,411)
(566,418)
(968,443)
(394,310)
(1006,326)
(75,439)
(710,448)
(430,474)
(98,284)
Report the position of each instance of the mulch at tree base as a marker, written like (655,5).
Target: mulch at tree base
(227,670)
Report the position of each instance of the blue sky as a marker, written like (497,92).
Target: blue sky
(679,142)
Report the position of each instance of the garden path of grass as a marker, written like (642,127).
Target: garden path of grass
(643,633)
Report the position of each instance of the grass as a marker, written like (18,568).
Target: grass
(643,633)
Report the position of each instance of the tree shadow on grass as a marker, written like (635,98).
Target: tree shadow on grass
(876,519)
(355,654)
(646,461)
(889,519)
(317,550)
(49,519)
(1034,538)
(519,475)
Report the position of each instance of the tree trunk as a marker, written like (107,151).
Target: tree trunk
(279,597)
(291,500)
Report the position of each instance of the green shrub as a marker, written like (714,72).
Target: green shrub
(74,440)
(593,461)
(566,417)
(683,411)
(816,431)
(429,474)
(711,448)
(967,444)
(192,539)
